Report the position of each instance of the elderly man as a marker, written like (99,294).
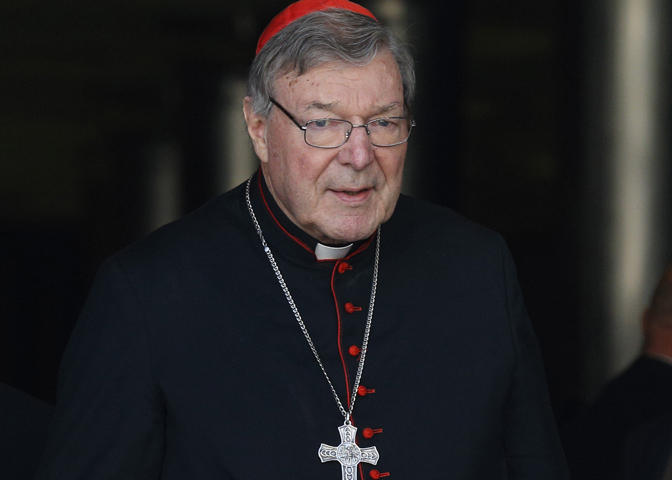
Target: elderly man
(311,323)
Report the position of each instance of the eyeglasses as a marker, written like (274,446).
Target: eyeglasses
(332,133)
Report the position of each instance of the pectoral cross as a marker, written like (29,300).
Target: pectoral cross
(348,453)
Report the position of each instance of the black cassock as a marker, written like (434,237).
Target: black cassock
(187,362)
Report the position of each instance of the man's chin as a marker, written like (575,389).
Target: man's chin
(347,234)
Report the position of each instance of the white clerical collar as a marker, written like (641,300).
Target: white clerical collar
(323,252)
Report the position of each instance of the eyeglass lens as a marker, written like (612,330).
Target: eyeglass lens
(334,133)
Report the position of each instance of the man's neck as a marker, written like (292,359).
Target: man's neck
(321,251)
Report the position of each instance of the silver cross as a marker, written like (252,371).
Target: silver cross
(348,453)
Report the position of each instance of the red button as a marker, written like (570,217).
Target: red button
(362,390)
(350,308)
(370,432)
(354,351)
(343,266)
(375,474)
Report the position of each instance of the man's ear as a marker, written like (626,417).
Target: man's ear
(256,128)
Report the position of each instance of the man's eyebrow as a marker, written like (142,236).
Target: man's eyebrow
(329,107)
(389,107)
(321,106)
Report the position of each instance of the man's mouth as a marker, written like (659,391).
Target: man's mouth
(353,196)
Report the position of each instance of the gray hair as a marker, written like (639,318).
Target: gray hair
(332,35)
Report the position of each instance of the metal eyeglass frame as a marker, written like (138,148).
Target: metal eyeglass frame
(347,135)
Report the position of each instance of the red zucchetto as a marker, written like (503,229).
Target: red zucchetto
(302,8)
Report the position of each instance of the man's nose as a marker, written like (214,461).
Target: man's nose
(357,151)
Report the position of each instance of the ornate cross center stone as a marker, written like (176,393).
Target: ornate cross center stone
(348,453)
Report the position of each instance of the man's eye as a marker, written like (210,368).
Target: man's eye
(383,122)
(321,123)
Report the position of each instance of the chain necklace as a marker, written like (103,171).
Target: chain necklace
(348,453)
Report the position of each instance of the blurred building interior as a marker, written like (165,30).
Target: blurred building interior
(544,120)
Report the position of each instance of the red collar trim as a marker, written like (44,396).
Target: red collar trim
(361,248)
(268,209)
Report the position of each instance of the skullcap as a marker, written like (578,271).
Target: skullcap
(304,7)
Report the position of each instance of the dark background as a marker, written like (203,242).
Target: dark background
(89,86)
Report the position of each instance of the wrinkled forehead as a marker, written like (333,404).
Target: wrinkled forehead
(344,89)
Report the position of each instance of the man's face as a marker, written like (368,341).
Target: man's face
(337,195)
